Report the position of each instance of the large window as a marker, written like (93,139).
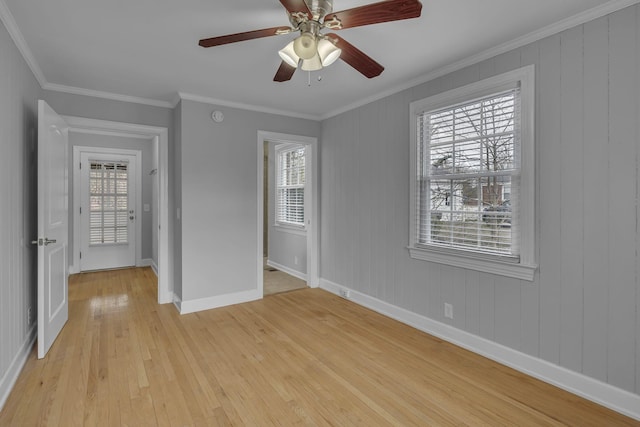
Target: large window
(290,183)
(472,176)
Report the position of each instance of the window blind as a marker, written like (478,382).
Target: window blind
(290,183)
(108,202)
(468,175)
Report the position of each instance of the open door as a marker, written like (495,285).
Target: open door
(53,235)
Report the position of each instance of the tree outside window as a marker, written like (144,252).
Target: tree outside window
(468,160)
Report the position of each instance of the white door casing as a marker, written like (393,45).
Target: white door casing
(53,234)
(106,255)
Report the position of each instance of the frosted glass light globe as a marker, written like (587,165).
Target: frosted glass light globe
(288,55)
(305,46)
(313,64)
(328,52)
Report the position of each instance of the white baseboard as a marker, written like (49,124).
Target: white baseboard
(145,262)
(11,376)
(597,391)
(191,306)
(285,269)
(177,303)
(149,262)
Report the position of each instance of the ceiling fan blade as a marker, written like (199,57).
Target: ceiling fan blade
(296,6)
(249,35)
(284,73)
(384,11)
(356,58)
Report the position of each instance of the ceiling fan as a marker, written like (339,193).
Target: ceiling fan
(312,50)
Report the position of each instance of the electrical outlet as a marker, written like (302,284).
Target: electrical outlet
(448,311)
(29,316)
(295,260)
(344,293)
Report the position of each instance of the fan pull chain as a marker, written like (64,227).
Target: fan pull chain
(309,78)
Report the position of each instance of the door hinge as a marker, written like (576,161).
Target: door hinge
(81,255)
(81,209)
(80,166)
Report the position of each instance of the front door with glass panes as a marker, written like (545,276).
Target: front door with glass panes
(107,216)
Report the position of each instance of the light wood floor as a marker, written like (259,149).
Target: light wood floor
(276,282)
(299,358)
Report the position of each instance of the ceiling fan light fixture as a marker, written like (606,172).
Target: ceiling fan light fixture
(306,45)
(289,55)
(312,64)
(328,52)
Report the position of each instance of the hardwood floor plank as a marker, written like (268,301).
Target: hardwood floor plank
(303,358)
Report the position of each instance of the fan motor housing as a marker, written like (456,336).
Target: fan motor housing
(319,8)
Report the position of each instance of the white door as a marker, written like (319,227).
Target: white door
(107,211)
(53,235)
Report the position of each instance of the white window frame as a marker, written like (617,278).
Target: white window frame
(287,225)
(524,267)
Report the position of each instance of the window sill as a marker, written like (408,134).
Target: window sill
(469,261)
(291,229)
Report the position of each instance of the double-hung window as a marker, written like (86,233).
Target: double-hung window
(290,183)
(472,176)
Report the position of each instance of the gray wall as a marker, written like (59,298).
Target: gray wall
(145,219)
(219,195)
(19,92)
(284,246)
(106,109)
(581,310)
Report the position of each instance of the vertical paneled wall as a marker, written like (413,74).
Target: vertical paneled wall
(19,92)
(581,311)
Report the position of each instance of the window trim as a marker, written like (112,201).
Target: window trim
(286,226)
(524,268)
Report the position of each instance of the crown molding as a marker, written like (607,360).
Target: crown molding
(12,27)
(106,95)
(549,30)
(224,103)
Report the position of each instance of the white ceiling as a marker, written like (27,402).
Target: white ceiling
(148,48)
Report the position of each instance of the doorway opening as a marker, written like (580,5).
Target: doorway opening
(287,212)
(285,231)
(157,172)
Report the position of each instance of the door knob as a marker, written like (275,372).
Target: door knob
(43,242)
